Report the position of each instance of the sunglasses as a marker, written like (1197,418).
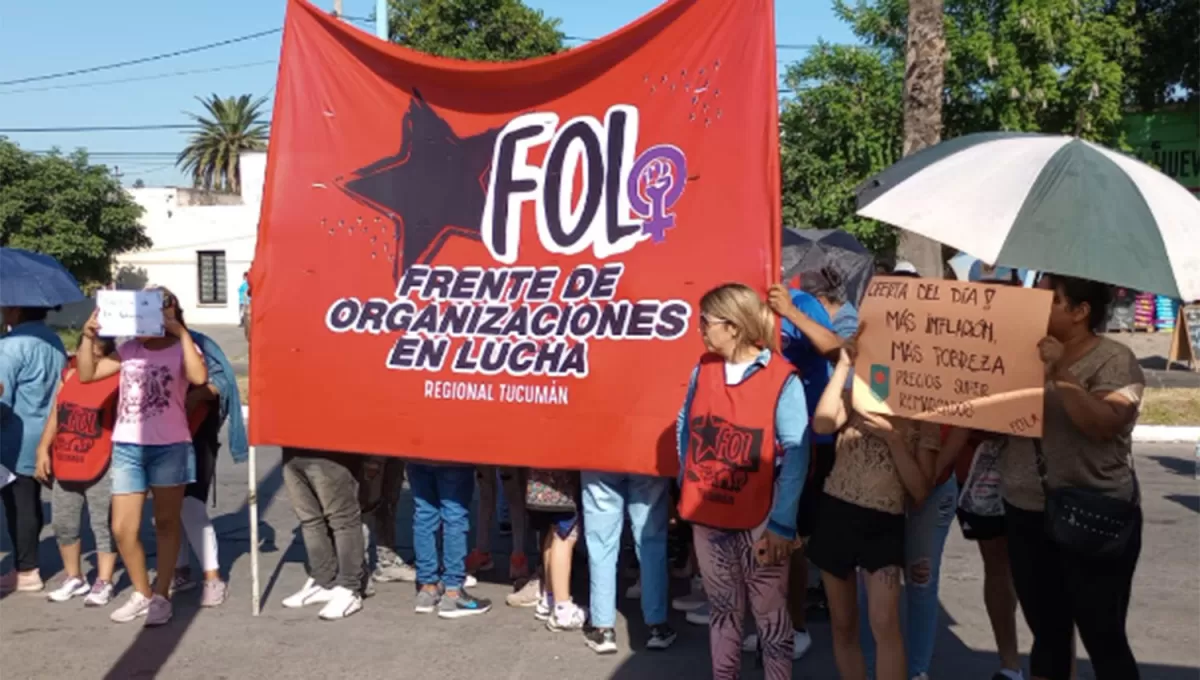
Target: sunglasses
(707,321)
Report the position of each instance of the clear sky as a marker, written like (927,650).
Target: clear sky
(39,38)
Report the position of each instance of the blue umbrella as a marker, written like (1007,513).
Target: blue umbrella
(29,279)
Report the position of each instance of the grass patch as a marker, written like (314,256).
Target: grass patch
(1171,407)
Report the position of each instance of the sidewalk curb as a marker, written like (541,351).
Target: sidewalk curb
(1166,434)
(1142,434)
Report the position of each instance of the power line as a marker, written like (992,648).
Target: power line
(158,76)
(44,152)
(100,128)
(141,60)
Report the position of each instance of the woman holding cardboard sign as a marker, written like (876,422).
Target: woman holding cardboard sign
(152,449)
(1072,507)
(744,448)
(880,464)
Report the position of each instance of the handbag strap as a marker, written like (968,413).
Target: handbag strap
(1040,457)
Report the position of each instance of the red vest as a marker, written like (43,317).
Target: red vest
(83,443)
(729,470)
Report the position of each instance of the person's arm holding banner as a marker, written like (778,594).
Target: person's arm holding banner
(830,414)
(824,341)
(1101,413)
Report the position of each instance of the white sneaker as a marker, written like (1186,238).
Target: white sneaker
(101,595)
(311,593)
(567,617)
(136,606)
(344,602)
(470,581)
(72,587)
(698,617)
(634,592)
(802,643)
(544,609)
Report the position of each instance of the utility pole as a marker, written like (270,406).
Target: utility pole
(337,9)
(381,19)
(924,83)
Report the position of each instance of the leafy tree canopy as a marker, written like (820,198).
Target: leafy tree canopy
(480,30)
(1055,66)
(64,206)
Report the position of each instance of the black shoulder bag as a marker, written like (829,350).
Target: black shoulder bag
(1085,521)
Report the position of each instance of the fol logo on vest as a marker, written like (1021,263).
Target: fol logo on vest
(724,456)
(614,184)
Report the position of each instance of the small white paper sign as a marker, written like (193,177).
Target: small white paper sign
(130,313)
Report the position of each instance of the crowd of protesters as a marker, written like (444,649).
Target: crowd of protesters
(868,500)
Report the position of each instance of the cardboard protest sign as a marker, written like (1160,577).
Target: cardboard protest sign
(130,313)
(500,263)
(953,352)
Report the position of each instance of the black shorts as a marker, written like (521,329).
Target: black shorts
(848,536)
(562,522)
(819,467)
(980,527)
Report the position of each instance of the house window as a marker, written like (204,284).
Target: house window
(210,266)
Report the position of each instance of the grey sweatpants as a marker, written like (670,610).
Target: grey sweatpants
(66,509)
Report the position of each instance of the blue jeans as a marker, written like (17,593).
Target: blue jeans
(441,499)
(136,468)
(925,532)
(606,496)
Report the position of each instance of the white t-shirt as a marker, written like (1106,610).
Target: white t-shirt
(736,373)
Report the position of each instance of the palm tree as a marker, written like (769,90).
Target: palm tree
(232,125)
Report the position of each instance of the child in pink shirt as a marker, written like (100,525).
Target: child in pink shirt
(152,449)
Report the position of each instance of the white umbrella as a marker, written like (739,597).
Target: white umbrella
(1047,203)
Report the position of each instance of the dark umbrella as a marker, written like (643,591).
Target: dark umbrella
(29,279)
(807,251)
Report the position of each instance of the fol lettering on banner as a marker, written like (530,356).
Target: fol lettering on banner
(953,352)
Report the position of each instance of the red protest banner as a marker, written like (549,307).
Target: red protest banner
(500,263)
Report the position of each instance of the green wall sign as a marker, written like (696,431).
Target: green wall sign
(1170,141)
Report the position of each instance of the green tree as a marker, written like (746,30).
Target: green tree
(844,124)
(64,206)
(1169,70)
(480,30)
(231,125)
(1055,66)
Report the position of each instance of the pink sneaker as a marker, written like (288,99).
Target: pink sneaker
(158,612)
(214,593)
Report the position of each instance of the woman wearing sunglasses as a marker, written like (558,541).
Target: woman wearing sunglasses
(743,446)
(152,449)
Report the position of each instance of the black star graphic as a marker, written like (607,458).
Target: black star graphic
(705,432)
(433,188)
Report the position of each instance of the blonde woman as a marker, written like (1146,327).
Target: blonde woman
(881,466)
(743,447)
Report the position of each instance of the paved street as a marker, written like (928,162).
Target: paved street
(387,640)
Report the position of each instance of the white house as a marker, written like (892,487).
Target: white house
(203,244)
